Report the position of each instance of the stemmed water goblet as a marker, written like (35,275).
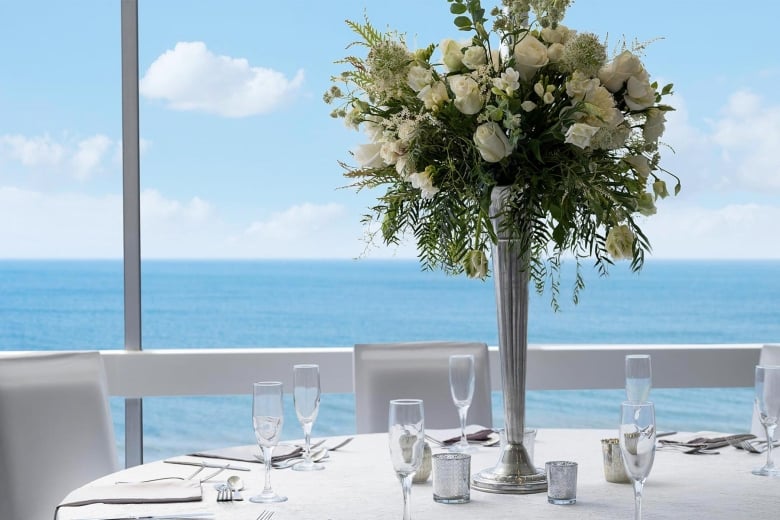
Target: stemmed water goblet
(406,426)
(639,377)
(306,395)
(462,389)
(767,392)
(637,445)
(267,420)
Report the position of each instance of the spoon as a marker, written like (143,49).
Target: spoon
(235,484)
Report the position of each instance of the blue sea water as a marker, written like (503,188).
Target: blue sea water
(56,305)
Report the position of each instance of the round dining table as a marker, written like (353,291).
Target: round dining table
(359,483)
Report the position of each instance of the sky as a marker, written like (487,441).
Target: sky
(240,158)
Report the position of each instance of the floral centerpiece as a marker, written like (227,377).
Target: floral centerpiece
(524,102)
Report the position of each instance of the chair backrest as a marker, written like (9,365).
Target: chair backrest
(56,432)
(416,370)
(770,355)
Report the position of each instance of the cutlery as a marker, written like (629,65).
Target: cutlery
(208,465)
(316,456)
(224,493)
(339,445)
(265,515)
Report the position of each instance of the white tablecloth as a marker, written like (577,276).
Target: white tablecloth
(359,483)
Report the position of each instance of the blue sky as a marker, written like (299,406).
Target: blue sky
(240,157)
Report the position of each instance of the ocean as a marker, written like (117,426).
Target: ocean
(63,305)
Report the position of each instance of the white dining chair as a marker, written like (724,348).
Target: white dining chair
(56,432)
(770,355)
(385,371)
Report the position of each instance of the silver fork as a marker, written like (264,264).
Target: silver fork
(224,494)
(265,515)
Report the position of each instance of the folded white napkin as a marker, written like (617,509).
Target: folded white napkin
(251,453)
(158,491)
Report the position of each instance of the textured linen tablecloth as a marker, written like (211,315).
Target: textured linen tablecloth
(359,483)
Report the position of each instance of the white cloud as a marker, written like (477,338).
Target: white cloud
(297,222)
(190,77)
(81,159)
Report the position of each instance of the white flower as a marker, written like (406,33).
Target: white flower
(419,77)
(368,155)
(391,151)
(491,142)
(645,204)
(467,96)
(434,96)
(639,164)
(548,98)
(422,181)
(474,56)
(508,82)
(615,73)
(620,240)
(528,105)
(404,166)
(654,125)
(476,264)
(558,35)
(451,54)
(555,52)
(580,86)
(579,134)
(530,56)
(406,130)
(659,188)
(640,94)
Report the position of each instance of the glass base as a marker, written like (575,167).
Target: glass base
(308,466)
(268,498)
(767,472)
(562,501)
(451,500)
(460,448)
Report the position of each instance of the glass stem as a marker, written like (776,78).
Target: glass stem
(463,412)
(307,442)
(267,454)
(406,487)
(770,437)
(638,485)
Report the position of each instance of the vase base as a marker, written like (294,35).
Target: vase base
(514,474)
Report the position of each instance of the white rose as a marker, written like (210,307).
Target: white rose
(615,73)
(558,35)
(639,93)
(491,142)
(530,56)
(555,52)
(406,130)
(579,134)
(369,156)
(580,86)
(467,97)
(433,96)
(419,77)
(474,56)
(654,125)
(451,54)
(620,240)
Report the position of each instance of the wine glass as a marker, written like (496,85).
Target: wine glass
(637,445)
(462,389)
(639,377)
(407,438)
(768,406)
(306,395)
(267,420)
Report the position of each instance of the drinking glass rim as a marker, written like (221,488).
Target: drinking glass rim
(306,365)
(771,367)
(268,383)
(637,403)
(406,401)
(637,356)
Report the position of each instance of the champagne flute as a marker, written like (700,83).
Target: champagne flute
(639,377)
(267,419)
(407,438)
(306,395)
(637,445)
(462,389)
(767,392)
